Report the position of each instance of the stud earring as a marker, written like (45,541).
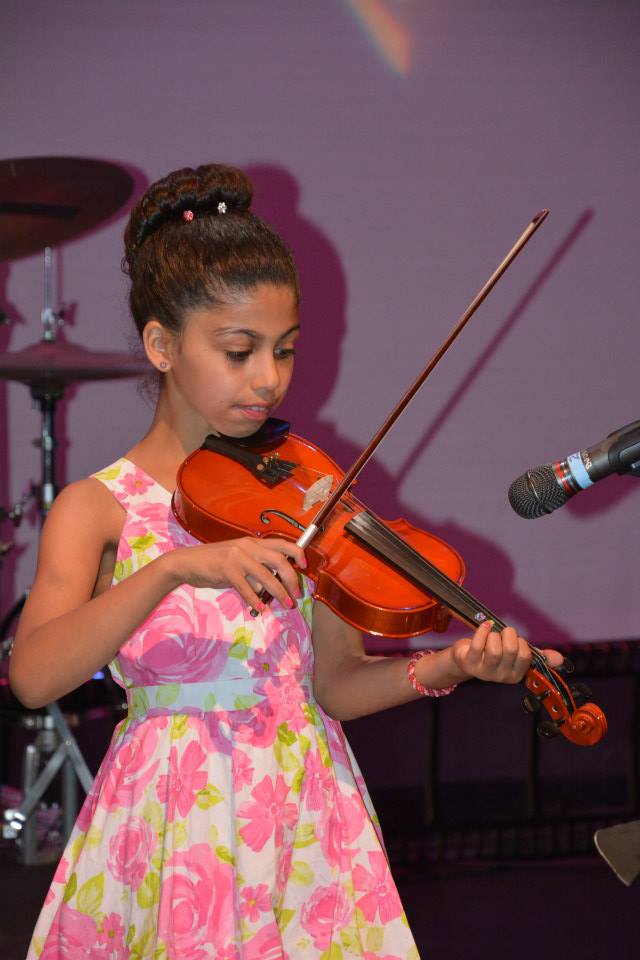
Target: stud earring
(163,364)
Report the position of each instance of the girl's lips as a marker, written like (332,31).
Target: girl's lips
(255,412)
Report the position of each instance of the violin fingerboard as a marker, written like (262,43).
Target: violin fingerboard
(392,549)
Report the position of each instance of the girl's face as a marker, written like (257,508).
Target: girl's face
(231,365)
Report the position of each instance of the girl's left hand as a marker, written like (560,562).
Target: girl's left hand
(502,657)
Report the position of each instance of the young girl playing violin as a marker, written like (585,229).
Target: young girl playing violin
(228,819)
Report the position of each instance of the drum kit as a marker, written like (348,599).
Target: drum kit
(45,201)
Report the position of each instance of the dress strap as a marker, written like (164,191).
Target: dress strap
(112,477)
(130,485)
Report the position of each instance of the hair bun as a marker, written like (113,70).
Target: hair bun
(200,190)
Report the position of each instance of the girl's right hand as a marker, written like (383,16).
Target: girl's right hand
(247,564)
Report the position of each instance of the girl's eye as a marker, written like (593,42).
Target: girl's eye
(238,356)
(284,353)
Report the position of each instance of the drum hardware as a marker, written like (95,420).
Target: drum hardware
(43,202)
(54,740)
(47,200)
(16,511)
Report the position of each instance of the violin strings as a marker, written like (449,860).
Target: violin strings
(414,564)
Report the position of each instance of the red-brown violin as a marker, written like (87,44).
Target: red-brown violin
(385,578)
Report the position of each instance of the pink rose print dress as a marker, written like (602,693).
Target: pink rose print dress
(228,820)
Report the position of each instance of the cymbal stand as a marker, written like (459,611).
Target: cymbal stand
(47,393)
(54,738)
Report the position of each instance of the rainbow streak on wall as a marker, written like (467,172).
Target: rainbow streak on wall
(389,35)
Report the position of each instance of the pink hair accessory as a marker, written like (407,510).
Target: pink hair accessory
(420,687)
(187,215)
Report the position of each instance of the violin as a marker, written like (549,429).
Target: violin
(386,578)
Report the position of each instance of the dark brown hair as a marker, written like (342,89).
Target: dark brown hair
(176,264)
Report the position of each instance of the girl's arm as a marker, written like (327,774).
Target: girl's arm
(73,623)
(348,683)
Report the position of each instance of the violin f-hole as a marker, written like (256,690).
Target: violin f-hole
(283,516)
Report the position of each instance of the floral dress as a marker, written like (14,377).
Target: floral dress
(228,820)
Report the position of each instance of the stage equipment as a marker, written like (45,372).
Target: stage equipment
(620,847)
(542,490)
(44,201)
(47,200)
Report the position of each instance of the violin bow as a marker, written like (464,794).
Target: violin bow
(353,472)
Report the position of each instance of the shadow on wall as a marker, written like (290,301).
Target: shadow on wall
(323,282)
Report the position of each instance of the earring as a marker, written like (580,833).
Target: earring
(163,364)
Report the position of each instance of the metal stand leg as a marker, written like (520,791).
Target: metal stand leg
(56,740)
(29,839)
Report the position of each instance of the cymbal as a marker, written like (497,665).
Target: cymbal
(52,364)
(45,200)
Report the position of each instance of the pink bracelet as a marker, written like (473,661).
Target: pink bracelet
(420,687)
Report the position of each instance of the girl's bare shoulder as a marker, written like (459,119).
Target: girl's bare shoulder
(89,499)
(84,513)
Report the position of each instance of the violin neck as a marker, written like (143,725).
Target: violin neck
(369,530)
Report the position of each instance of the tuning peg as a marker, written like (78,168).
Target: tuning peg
(530,703)
(566,668)
(581,693)
(549,728)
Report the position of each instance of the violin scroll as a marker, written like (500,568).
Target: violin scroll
(582,723)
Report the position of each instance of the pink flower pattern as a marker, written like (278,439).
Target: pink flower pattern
(131,770)
(179,787)
(380,895)
(254,901)
(112,934)
(228,820)
(136,483)
(130,850)
(198,907)
(72,936)
(243,769)
(327,913)
(270,813)
(317,786)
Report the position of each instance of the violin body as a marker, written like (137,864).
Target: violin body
(218,498)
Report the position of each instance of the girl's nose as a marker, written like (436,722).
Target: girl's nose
(266,378)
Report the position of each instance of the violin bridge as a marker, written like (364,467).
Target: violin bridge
(317,492)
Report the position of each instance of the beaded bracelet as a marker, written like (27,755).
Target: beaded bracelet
(420,687)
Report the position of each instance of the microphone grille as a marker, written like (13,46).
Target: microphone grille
(537,492)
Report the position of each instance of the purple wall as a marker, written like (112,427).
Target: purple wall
(400,184)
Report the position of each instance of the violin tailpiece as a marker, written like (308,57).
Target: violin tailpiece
(270,469)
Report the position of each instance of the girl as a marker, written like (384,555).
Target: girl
(228,819)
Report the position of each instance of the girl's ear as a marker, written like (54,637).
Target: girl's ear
(158,345)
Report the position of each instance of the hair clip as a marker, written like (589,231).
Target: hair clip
(187,215)
(222,207)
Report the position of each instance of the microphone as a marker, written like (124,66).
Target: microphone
(543,489)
